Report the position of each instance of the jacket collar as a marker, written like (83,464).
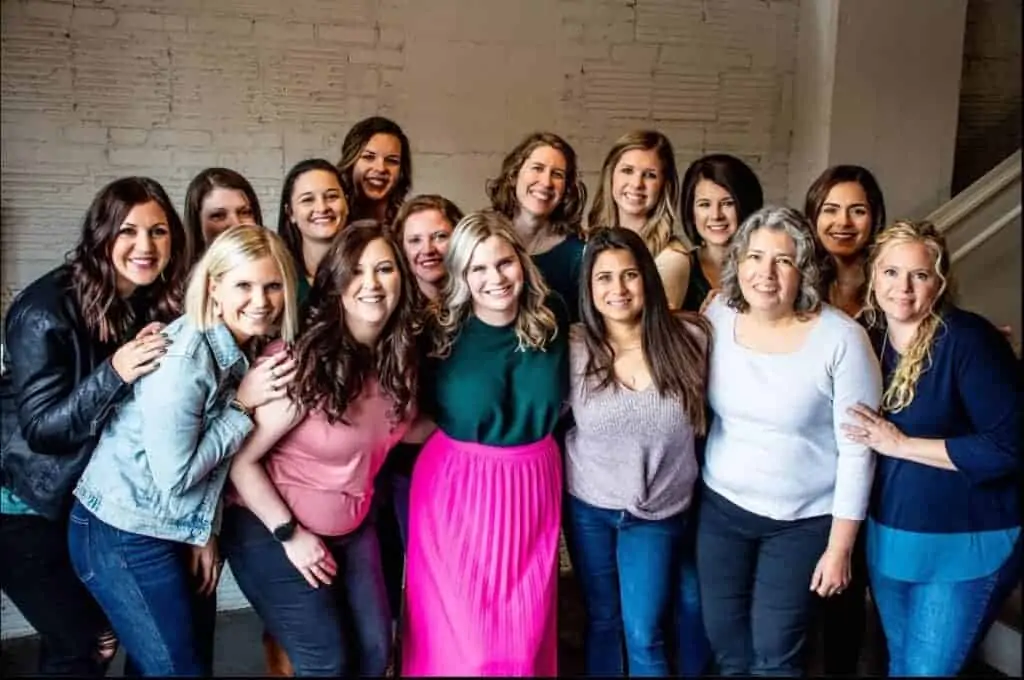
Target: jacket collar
(225,350)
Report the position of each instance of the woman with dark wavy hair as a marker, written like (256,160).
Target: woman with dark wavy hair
(540,190)
(297,529)
(639,372)
(216,200)
(79,337)
(376,169)
(313,210)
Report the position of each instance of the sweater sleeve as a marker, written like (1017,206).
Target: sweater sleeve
(988,384)
(856,377)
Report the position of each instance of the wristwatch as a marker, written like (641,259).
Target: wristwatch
(285,531)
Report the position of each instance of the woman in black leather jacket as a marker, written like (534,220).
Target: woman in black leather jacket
(78,337)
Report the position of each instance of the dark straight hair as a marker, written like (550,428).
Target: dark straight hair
(675,344)
(731,174)
(287,229)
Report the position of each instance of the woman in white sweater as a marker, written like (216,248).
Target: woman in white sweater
(784,492)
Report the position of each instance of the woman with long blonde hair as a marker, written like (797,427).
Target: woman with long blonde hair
(944,544)
(147,504)
(639,190)
(485,503)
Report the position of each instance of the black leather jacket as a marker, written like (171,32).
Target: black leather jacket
(57,395)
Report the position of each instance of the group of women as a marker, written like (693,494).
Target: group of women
(707,395)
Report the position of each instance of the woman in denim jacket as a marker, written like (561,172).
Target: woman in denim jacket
(148,502)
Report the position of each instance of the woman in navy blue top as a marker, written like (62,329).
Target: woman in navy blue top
(944,528)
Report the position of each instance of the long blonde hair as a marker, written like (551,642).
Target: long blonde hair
(234,247)
(535,324)
(916,359)
(663,222)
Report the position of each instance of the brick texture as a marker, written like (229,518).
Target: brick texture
(97,89)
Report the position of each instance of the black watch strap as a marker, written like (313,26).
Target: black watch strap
(285,531)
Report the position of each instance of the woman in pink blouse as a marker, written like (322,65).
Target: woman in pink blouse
(297,530)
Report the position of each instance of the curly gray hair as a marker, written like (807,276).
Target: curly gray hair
(795,225)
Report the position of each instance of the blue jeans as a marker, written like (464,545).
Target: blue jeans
(932,628)
(341,629)
(624,565)
(144,586)
(755,578)
(693,652)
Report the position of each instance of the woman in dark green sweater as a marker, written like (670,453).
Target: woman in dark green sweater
(485,503)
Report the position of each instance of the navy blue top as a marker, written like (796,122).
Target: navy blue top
(560,267)
(969,396)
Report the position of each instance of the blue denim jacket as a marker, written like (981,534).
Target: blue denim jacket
(160,465)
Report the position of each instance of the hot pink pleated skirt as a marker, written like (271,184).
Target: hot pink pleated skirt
(482,560)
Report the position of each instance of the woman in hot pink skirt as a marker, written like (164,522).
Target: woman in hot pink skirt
(485,503)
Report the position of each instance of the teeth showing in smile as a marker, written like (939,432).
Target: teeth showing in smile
(718,227)
(371,299)
(619,303)
(499,292)
(377,182)
(258,317)
(430,262)
(143,262)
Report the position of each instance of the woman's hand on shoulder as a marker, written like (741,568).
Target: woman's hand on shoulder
(267,379)
(139,356)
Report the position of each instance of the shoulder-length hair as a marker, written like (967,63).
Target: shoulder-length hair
(535,323)
(567,218)
(234,247)
(286,227)
(793,224)
(108,317)
(331,366)
(675,345)
(199,188)
(352,147)
(422,203)
(731,174)
(900,391)
(815,200)
(663,220)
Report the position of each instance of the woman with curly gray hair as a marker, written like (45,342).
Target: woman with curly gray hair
(784,491)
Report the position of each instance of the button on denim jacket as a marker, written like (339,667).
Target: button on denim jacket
(161,463)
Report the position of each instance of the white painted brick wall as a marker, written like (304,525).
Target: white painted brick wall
(97,89)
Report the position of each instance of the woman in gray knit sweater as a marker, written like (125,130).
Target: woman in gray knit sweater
(637,394)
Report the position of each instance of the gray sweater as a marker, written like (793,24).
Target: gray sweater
(775,447)
(629,450)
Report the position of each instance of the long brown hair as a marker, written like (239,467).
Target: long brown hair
(663,221)
(332,367)
(286,227)
(108,317)
(352,147)
(675,344)
(567,218)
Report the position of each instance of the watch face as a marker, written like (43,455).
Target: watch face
(285,531)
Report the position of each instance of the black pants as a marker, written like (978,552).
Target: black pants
(755,578)
(36,573)
(844,620)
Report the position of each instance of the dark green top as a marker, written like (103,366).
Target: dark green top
(699,287)
(302,290)
(561,269)
(489,392)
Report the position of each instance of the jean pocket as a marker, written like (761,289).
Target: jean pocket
(79,545)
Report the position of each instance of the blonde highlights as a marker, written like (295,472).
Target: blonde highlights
(535,324)
(234,247)
(916,359)
(663,222)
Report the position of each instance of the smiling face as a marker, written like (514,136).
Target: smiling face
(495,278)
(617,286)
(905,282)
(425,237)
(222,209)
(768,275)
(373,292)
(378,167)
(714,212)
(142,247)
(637,182)
(540,183)
(250,298)
(844,221)
(317,205)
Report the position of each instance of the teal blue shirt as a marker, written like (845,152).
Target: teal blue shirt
(12,505)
